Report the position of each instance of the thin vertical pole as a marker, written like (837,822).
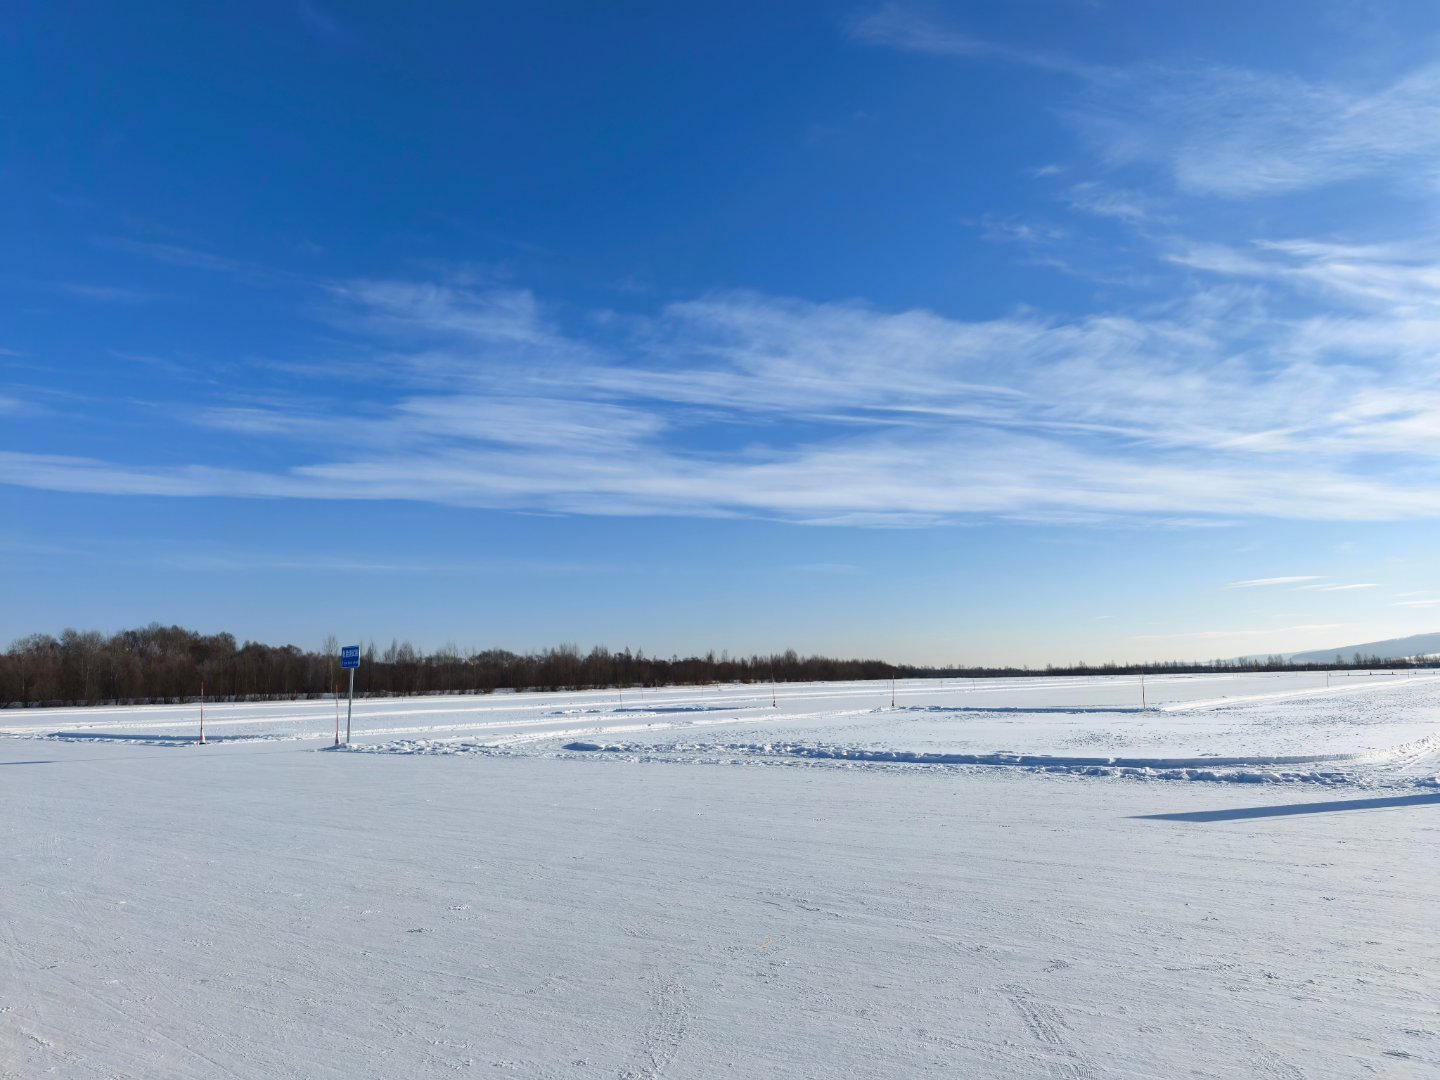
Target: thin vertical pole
(337,714)
(892,691)
(349,706)
(202,712)
(1142,690)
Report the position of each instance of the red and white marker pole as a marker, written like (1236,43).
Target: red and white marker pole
(202,712)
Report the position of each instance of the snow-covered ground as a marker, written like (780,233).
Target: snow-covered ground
(1357,728)
(993,879)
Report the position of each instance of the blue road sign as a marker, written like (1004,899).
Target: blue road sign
(349,657)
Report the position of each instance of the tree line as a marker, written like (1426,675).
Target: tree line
(168,664)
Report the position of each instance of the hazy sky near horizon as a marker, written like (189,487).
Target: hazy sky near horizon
(1029,332)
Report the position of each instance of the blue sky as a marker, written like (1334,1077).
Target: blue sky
(976,333)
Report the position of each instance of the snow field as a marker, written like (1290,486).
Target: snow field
(1365,729)
(278,913)
(955,886)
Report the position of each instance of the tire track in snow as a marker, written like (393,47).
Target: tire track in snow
(1207,704)
(669,1018)
(1048,1028)
(1273,1066)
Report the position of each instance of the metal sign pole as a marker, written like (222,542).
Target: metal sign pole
(349,661)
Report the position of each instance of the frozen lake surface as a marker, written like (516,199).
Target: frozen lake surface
(998,878)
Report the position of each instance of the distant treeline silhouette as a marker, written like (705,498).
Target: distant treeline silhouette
(167,664)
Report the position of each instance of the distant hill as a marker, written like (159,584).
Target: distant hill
(1393,649)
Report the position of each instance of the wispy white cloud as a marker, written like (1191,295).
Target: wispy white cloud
(320,23)
(1400,283)
(871,480)
(112,294)
(1217,130)
(54,472)
(1128,206)
(1271,391)
(1235,133)
(914,29)
(739,403)
(430,421)
(175,255)
(1256,583)
(330,562)
(1249,632)
(1012,230)
(1338,588)
(445,329)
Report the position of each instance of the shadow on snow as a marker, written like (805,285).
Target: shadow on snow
(151,740)
(1335,806)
